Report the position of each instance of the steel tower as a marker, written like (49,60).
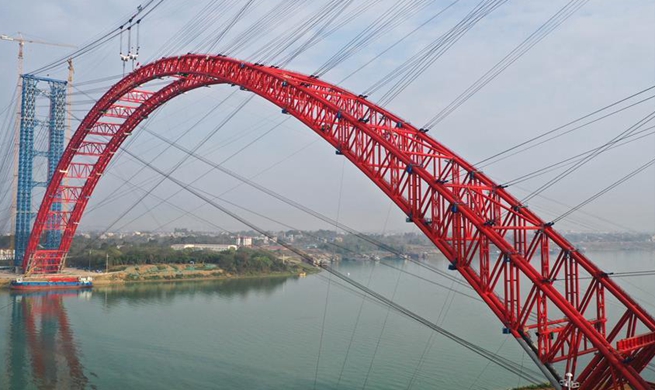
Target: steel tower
(32,126)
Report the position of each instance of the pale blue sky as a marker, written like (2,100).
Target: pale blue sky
(606,51)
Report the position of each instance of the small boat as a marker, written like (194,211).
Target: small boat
(51,283)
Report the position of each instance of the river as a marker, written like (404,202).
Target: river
(269,333)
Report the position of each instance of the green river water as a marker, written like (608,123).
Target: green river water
(268,333)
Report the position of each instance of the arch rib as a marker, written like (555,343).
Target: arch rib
(495,242)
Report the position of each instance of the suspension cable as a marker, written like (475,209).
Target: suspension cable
(502,362)
(537,36)
(294,204)
(578,157)
(593,155)
(146,10)
(605,190)
(546,133)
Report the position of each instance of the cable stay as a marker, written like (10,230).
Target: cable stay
(179,163)
(131,53)
(231,24)
(203,176)
(142,11)
(389,19)
(206,18)
(575,161)
(297,205)
(524,373)
(112,195)
(399,41)
(606,190)
(135,56)
(591,156)
(489,159)
(412,68)
(537,36)
(113,198)
(237,14)
(317,24)
(124,57)
(171,204)
(512,151)
(268,191)
(318,34)
(278,196)
(398,253)
(264,25)
(579,157)
(573,130)
(285,225)
(344,20)
(579,222)
(186,187)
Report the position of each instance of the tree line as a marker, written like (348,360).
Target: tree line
(241,260)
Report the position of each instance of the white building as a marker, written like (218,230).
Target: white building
(207,247)
(244,241)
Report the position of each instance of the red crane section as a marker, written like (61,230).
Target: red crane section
(546,293)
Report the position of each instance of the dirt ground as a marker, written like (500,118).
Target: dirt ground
(149,273)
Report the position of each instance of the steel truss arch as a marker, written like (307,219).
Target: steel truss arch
(497,244)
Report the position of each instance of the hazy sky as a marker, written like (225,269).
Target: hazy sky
(604,52)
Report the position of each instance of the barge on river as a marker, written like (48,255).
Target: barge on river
(51,283)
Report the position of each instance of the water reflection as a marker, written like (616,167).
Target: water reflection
(166,293)
(42,351)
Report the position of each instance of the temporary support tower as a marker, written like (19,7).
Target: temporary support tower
(30,126)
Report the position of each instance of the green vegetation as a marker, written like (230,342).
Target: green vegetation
(535,387)
(240,261)
(349,244)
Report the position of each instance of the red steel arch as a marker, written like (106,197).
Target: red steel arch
(547,294)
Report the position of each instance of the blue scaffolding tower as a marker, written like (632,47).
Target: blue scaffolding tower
(30,126)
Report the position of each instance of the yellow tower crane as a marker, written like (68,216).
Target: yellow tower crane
(21,45)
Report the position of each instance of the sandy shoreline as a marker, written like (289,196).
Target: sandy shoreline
(164,273)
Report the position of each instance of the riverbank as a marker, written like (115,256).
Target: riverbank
(546,386)
(162,273)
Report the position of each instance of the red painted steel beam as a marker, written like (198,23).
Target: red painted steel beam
(463,212)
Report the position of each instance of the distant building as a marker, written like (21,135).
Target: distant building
(244,241)
(6,254)
(207,247)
